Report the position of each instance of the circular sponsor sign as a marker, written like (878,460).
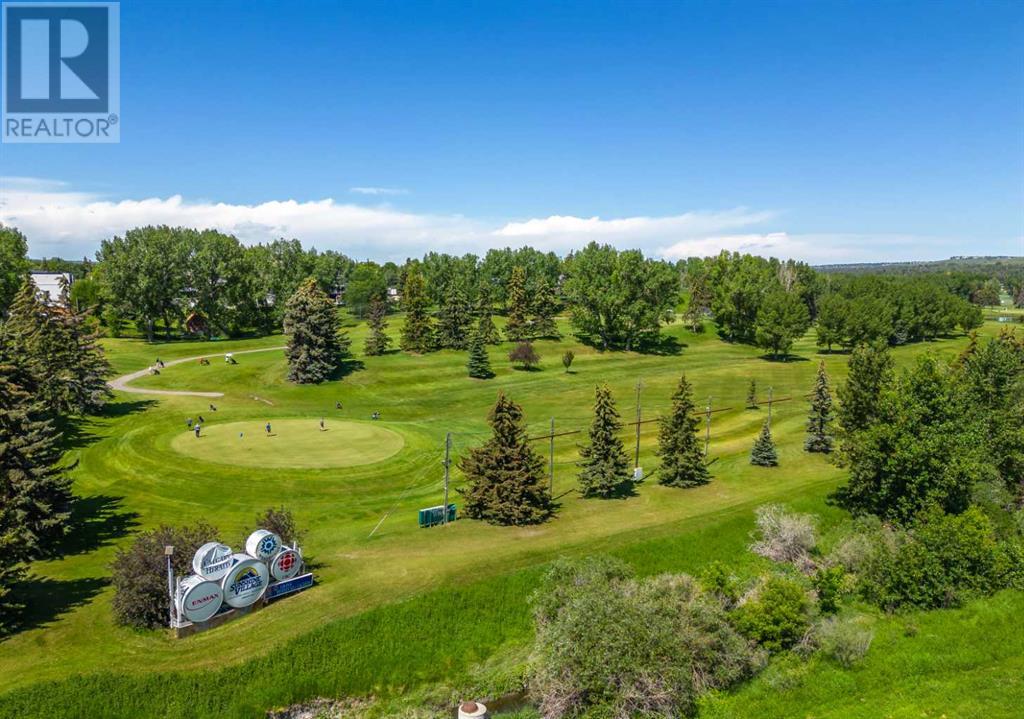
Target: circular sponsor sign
(285,564)
(245,582)
(262,544)
(212,560)
(199,598)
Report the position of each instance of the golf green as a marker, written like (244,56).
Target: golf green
(291,443)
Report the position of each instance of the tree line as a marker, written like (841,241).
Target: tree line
(52,371)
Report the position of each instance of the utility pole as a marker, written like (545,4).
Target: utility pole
(169,552)
(636,461)
(707,427)
(447,465)
(551,460)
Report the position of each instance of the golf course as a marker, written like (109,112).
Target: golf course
(399,609)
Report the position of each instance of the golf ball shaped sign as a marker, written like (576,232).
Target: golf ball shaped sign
(199,598)
(285,564)
(245,582)
(226,579)
(212,560)
(262,544)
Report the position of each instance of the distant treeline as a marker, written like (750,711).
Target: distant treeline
(173,281)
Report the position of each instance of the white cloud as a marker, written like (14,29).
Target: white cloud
(378,191)
(62,221)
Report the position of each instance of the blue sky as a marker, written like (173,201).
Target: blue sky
(850,131)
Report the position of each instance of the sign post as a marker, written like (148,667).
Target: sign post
(169,552)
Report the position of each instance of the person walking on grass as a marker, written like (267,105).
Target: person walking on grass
(189,422)
(198,427)
(322,424)
(201,420)
(268,429)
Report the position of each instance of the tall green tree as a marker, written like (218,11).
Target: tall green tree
(682,460)
(482,309)
(545,307)
(316,346)
(478,364)
(517,326)
(377,340)
(35,493)
(14,265)
(365,282)
(618,299)
(145,274)
(819,421)
(919,449)
(605,468)
(417,331)
(505,477)
(66,365)
(763,453)
(870,369)
(219,281)
(455,319)
(831,321)
(781,319)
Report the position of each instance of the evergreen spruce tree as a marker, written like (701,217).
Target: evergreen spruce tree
(752,394)
(545,306)
(85,366)
(455,319)
(606,468)
(486,326)
(479,365)
(682,459)
(763,453)
(506,482)
(517,327)
(377,341)
(316,347)
(417,332)
(819,421)
(63,364)
(35,494)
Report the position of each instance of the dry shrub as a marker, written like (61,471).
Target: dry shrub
(785,536)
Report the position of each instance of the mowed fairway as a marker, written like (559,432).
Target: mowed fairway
(290,443)
(137,467)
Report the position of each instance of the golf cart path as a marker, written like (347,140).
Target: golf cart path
(120,384)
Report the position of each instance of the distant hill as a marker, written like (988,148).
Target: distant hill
(990,266)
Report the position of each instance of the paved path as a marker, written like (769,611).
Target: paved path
(121,383)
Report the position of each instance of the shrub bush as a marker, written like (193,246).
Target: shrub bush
(785,536)
(939,562)
(776,616)
(140,572)
(281,522)
(828,584)
(616,647)
(845,641)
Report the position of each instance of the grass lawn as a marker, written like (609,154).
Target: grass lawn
(290,443)
(395,606)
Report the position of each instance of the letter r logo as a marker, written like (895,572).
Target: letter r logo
(56,58)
